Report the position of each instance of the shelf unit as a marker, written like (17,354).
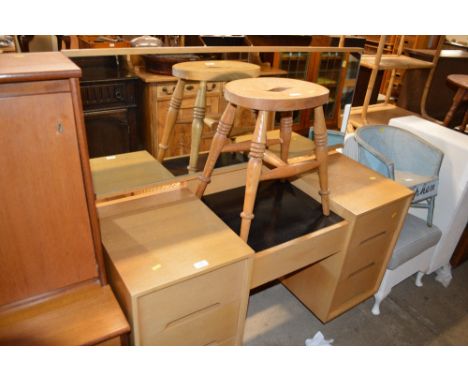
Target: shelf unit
(381,113)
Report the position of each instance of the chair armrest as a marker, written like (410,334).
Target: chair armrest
(373,159)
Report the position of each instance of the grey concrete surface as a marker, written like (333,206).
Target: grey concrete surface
(430,315)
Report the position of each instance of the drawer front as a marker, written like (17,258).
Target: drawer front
(210,326)
(376,222)
(193,303)
(108,95)
(359,284)
(285,258)
(369,251)
(180,141)
(190,90)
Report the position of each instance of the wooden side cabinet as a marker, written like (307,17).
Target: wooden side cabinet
(184,284)
(375,209)
(50,244)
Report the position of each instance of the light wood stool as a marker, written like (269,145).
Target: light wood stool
(267,96)
(202,71)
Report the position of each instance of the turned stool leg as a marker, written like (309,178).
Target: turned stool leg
(254,169)
(321,152)
(171,118)
(456,102)
(197,126)
(219,139)
(285,133)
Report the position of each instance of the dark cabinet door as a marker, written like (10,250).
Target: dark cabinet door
(108,132)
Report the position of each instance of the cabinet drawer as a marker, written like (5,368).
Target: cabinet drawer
(192,303)
(108,95)
(357,285)
(209,326)
(371,251)
(377,222)
(190,90)
(285,258)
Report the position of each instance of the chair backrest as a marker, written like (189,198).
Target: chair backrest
(386,149)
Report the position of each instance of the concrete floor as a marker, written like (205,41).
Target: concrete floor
(431,315)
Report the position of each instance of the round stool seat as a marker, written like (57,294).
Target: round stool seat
(214,70)
(460,80)
(275,94)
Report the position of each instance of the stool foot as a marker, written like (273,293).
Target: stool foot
(171,118)
(219,139)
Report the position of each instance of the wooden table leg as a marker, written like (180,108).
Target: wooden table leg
(197,126)
(219,139)
(321,152)
(171,118)
(459,95)
(254,169)
(286,123)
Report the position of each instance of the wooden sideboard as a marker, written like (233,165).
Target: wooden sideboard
(51,258)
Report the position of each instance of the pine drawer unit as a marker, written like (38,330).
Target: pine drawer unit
(180,274)
(375,208)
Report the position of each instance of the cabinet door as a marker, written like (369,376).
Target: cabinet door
(45,235)
(108,132)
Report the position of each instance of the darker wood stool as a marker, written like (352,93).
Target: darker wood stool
(268,96)
(461,81)
(201,71)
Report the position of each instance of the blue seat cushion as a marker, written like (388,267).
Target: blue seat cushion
(415,237)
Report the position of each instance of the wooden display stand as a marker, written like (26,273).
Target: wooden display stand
(183,276)
(53,285)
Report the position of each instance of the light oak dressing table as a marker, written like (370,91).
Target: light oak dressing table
(183,277)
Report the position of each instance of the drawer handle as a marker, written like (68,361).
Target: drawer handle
(361,269)
(372,237)
(165,90)
(118,94)
(190,316)
(213,87)
(189,87)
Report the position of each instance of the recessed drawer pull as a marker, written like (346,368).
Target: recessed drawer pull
(361,269)
(118,94)
(192,315)
(372,237)
(189,87)
(212,343)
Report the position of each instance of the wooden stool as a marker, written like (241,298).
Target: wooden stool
(461,81)
(270,95)
(202,71)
